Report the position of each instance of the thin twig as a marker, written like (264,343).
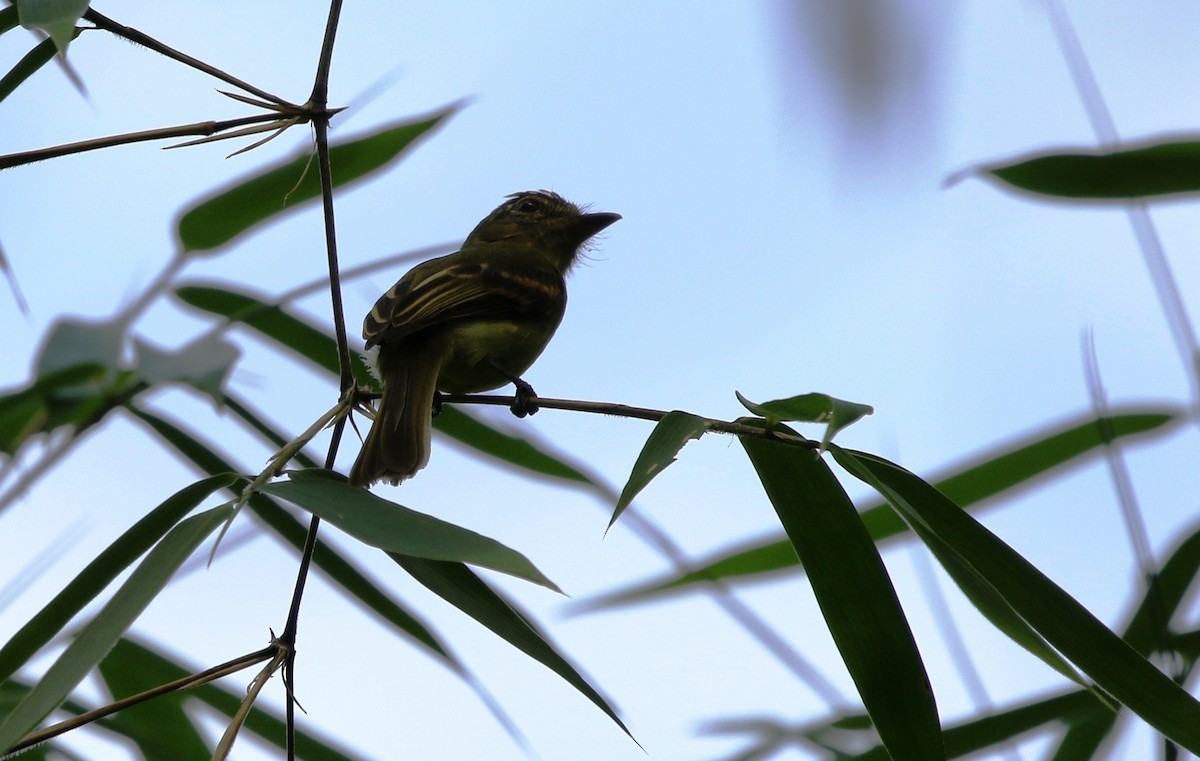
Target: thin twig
(642,413)
(103,22)
(183,683)
(162,133)
(221,751)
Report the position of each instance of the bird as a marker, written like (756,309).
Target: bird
(470,321)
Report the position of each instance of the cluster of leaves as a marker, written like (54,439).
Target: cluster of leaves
(81,377)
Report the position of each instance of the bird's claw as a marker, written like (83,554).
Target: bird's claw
(525,400)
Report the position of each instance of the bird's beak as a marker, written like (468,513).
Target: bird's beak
(587,225)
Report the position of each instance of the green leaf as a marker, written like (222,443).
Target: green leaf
(1150,628)
(132,664)
(668,437)
(30,63)
(367,593)
(1001,729)
(12,692)
(9,19)
(109,564)
(395,528)
(995,608)
(1020,464)
(103,631)
(458,585)
(274,322)
(855,594)
(810,408)
(22,414)
(161,728)
(1055,615)
(71,396)
(1147,171)
(338,569)
(289,185)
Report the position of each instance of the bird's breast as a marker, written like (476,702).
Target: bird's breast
(479,346)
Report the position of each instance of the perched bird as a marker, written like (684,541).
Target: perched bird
(470,321)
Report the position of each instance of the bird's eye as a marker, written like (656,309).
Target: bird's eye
(528,206)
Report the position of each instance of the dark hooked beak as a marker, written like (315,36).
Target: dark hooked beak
(587,225)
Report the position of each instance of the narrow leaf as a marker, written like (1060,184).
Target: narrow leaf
(855,594)
(1147,171)
(395,528)
(161,728)
(109,564)
(132,660)
(12,692)
(71,396)
(998,730)
(668,437)
(30,63)
(289,185)
(9,19)
(1055,615)
(810,408)
(99,636)
(458,585)
(274,322)
(293,532)
(1082,741)
(1020,464)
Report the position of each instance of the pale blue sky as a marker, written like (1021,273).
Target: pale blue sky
(768,245)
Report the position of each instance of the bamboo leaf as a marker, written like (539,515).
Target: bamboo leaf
(1020,464)
(292,531)
(666,440)
(88,583)
(810,408)
(1064,623)
(103,631)
(855,594)
(1149,170)
(395,528)
(459,586)
(290,185)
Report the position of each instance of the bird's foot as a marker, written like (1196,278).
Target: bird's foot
(525,400)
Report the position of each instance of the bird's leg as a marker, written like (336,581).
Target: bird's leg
(526,402)
(525,399)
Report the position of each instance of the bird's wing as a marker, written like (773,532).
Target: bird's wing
(429,296)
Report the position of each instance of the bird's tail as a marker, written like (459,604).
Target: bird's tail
(398,444)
